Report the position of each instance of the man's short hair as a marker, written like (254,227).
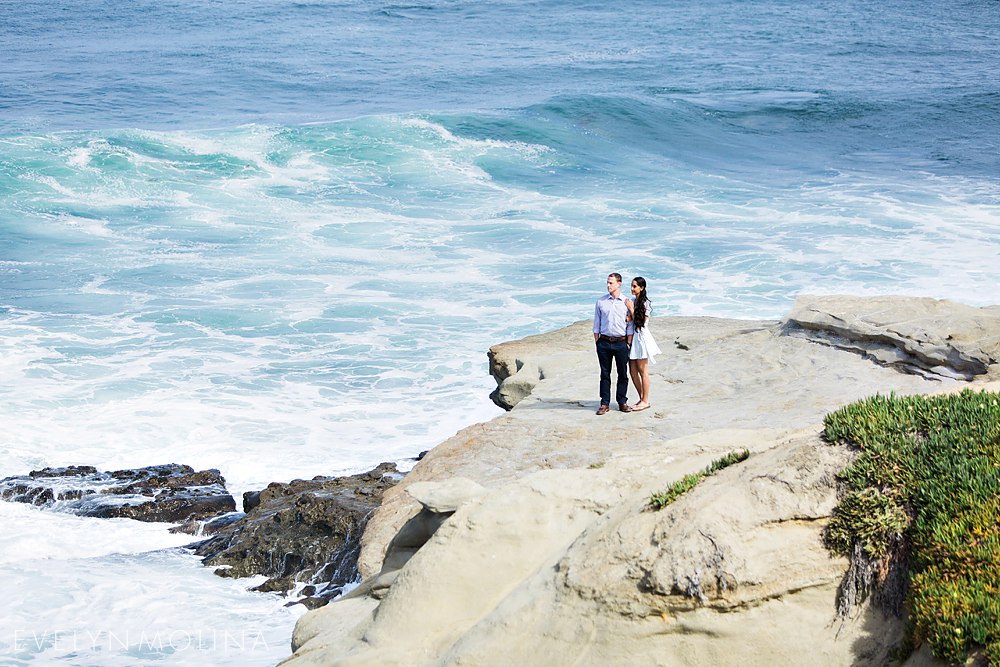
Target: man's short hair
(616,276)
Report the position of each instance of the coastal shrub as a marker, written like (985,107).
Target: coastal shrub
(924,490)
(688,482)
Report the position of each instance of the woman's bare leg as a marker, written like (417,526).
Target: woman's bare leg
(642,369)
(633,370)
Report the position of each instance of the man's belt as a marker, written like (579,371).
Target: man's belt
(612,339)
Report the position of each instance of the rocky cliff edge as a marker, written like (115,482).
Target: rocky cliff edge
(529,540)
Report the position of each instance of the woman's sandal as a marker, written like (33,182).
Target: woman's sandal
(638,408)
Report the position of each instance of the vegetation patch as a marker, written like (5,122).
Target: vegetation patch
(688,482)
(923,499)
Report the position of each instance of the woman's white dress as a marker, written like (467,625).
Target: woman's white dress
(643,345)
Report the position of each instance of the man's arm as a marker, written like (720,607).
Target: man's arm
(629,327)
(597,320)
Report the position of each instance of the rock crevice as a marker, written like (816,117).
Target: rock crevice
(924,336)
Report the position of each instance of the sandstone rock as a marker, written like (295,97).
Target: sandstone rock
(331,623)
(439,500)
(446,496)
(518,366)
(919,335)
(167,493)
(571,567)
(741,374)
(749,533)
(559,561)
(303,531)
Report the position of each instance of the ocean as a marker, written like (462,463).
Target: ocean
(277,237)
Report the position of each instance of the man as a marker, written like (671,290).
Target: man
(613,336)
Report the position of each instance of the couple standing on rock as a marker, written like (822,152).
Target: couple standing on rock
(621,333)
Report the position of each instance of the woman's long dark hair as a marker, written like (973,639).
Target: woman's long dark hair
(639,309)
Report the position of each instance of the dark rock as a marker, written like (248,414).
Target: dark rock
(303,531)
(250,500)
(69,471)
(312,602)
(210,527)
(168,493)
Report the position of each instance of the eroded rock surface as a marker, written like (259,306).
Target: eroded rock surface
(303,531)
(925,336)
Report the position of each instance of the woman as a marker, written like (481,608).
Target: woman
(644,348)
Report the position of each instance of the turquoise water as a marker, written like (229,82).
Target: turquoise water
(276,238)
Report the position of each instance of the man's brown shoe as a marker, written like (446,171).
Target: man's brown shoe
(624,407)
(603,410)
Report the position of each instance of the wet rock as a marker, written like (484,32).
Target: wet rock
(250,500)
(303,531)
(68,471)
(210,527)
(168,493)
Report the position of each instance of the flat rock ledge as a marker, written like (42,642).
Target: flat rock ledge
(529,539)
(930,337)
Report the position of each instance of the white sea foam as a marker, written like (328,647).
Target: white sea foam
(38,534)
(477,146)
(92,226)
(126,609)
(249,143)
(210,407)
(97,590)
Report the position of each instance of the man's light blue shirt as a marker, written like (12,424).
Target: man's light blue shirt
(611,317)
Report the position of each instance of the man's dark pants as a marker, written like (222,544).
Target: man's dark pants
(608,351)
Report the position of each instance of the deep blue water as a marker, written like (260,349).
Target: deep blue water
(847,77)
(277,238)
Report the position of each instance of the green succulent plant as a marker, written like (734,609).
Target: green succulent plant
(671,493)
(924,490)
